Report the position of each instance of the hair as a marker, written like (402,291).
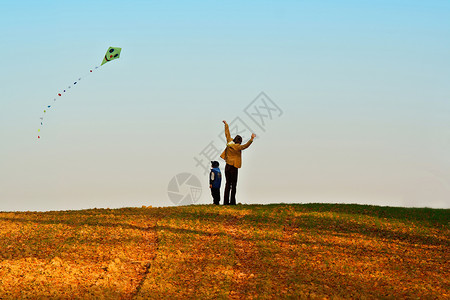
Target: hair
(238,139)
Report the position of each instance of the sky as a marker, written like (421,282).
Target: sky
(349,101)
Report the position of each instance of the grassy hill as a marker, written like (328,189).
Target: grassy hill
(246,251)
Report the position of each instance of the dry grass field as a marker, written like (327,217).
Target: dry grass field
(311,251)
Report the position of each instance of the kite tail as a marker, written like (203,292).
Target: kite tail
(51,105)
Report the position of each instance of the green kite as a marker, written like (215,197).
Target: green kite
(112,53)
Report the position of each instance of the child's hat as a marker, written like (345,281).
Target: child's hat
(215,164)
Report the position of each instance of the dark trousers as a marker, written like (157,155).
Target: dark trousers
(215,192)
(231,175)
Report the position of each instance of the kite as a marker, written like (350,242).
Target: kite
(111,54)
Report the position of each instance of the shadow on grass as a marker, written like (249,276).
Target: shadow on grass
(46,243)
(277,217)
(310,223)
(425,216)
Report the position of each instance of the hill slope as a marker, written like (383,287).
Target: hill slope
(246,251)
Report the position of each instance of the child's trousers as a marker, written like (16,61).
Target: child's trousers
(215,192)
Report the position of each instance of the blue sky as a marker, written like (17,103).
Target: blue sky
(363,86)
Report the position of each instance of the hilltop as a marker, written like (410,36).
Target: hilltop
(244,251)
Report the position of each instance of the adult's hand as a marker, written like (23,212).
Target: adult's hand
(253,136)
(224,122)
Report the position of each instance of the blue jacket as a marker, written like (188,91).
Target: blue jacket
(215,178)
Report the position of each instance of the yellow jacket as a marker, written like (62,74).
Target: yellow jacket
(232,153)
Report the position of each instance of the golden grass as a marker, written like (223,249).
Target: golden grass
(241,252)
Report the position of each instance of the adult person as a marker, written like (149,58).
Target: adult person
(232,157)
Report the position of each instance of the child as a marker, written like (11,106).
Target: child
(215,179)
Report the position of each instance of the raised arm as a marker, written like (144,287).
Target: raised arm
(250,141)
(227,132)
